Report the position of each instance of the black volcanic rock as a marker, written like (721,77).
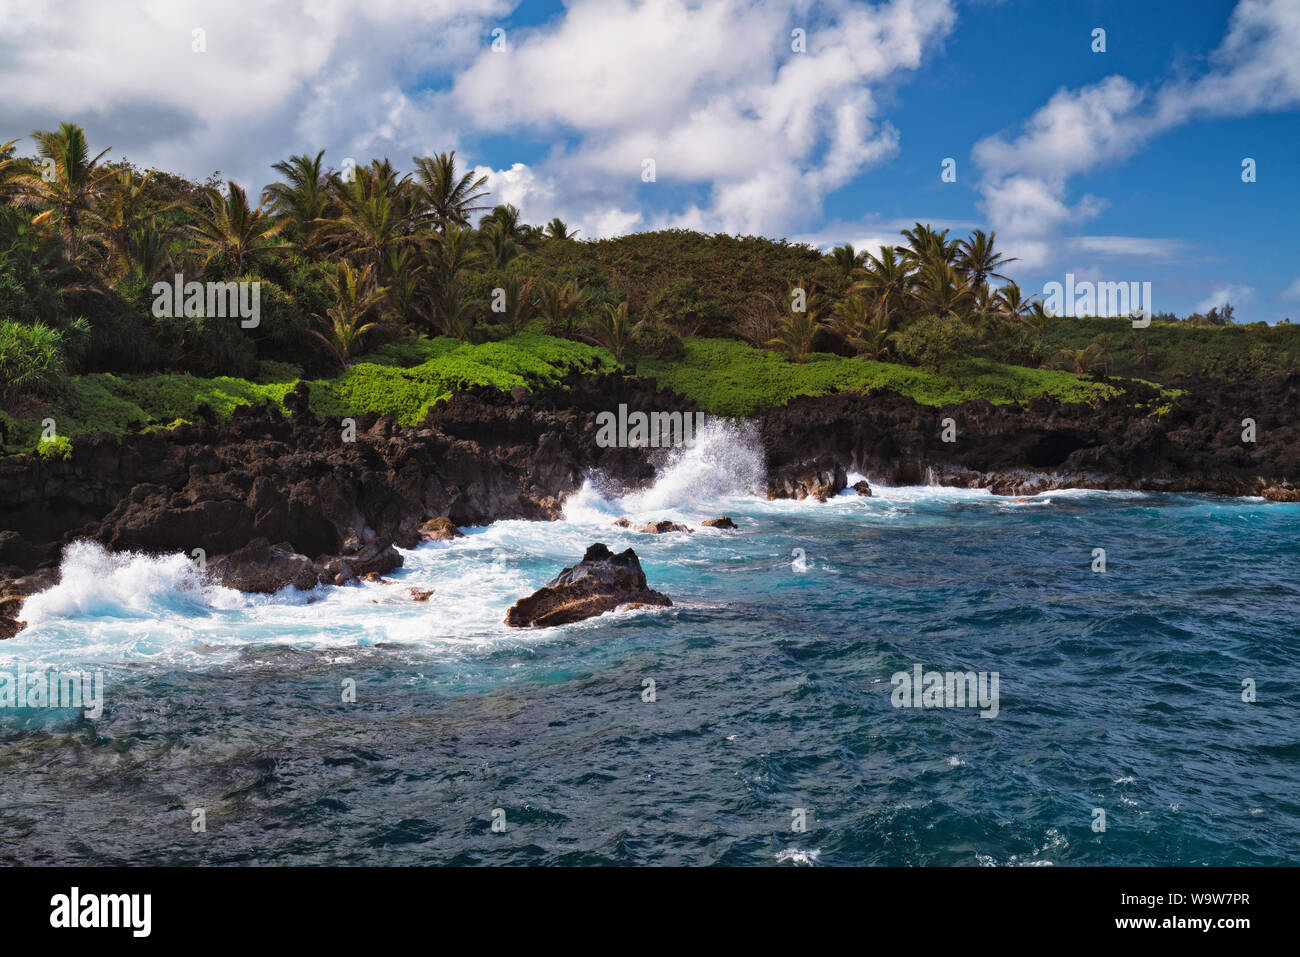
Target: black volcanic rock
(601,582)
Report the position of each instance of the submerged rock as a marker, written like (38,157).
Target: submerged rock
(601,582)
(621,523)
(723,522)
(862,488)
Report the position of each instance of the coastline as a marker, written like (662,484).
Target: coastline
(272,500)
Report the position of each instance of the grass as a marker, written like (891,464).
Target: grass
(728,377)
(402,380)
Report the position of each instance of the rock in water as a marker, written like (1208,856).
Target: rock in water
(601,582)
(723,522)
(439,530)
(664,526)
(862,488)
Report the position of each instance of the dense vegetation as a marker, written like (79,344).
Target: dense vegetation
(376,287)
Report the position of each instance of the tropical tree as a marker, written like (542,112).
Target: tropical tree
(978,259)
(12,169)
(927,247)
(449,312)
(1081,360)
(127,223)
(1036,318)
(447,197)
(1011,302)
(374,215)
(357,297)
(941,289)
(498,246)
(68,182)
(847,261)
(887,280)
(518,305)
(796,328)
(302,196)
(560,303)
(556,229)
(611,329)
(231,232)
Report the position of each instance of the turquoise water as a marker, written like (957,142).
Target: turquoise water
(1119,691)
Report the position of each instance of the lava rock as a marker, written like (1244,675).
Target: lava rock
(723,522)
(601,582)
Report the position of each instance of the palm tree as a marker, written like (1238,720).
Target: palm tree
(449,199)
(449,312)
(886,279)
(613,330)
(302,196)
(941,289)
(865,328)
(129,227)
(978,259)
(1080,359)
(77,181)
(404,271)
(519,304)
(1037,319)
(231,232)
(374,214)
(498,245)
(926,247)
(345,323)
(561,303)
(11,169)
(795,330)
(847,261)
(556,229)
(1010,302)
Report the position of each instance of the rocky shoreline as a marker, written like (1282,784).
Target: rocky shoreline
(270,500)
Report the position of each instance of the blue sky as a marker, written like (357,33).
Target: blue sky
(1122,165)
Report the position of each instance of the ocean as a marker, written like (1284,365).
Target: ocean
(755,722)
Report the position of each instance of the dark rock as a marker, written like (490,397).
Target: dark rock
(262,567)
(601,582)
(439,530)
(659,528)
(421,594)
(723,522)
(821,478)
(621,523)
(1281,493)
(862,488)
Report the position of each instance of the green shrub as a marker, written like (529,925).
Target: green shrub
(31,359)
(731,378)
(933,341)
(58,447)
(685,309)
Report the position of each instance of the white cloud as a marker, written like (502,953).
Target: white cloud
(713,93)
(1130,247)
(1292,291)
(1024,180)
(287,78)
(1229,293)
